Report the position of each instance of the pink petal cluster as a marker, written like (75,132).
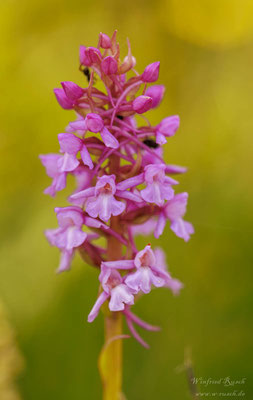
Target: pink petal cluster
(120,173)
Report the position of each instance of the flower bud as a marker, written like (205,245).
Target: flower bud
(129,61)
(105,41)
(63,100)
(142,104)
(89,56)
(94,123)
(109,65)
(72,90)
(151,72)
(156,92)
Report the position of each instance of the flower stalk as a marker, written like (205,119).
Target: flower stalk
(110,360)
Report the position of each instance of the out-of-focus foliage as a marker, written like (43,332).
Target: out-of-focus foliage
(10,360)
(205,49)
(211,23)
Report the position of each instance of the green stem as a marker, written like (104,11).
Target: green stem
(110,360)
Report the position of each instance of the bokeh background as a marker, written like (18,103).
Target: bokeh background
(205,48)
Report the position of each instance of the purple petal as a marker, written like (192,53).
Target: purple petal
(94,223)
(182,229)
(95,309)
(74,238)
(86,158)
(79,125)
(140,322)
(175,285)
(119,264)
(169,125)
(131,182)
(69,143)
(170,181)
(160,259)
(52,235)
(83,194)
(175,169)
(157,193)
(60,182)
(65,261)
(139,280)
(69,216)
(108,139)
(129,196)
(67,163)
(166,191)
(176,208)
(144,229)
(49,161)
(135,334)
(83,177)
(160,138)
(160,225)
(156,92)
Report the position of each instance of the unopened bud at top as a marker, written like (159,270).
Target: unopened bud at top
(142,104)
(151,72)
(89,56)
(105,41)
(156,92)
(109,65)
(129,61)
(94,122)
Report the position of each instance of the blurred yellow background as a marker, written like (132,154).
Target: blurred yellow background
(205,48)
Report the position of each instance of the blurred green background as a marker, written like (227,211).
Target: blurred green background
(205,48)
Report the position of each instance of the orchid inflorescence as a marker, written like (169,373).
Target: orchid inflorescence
(123,188)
